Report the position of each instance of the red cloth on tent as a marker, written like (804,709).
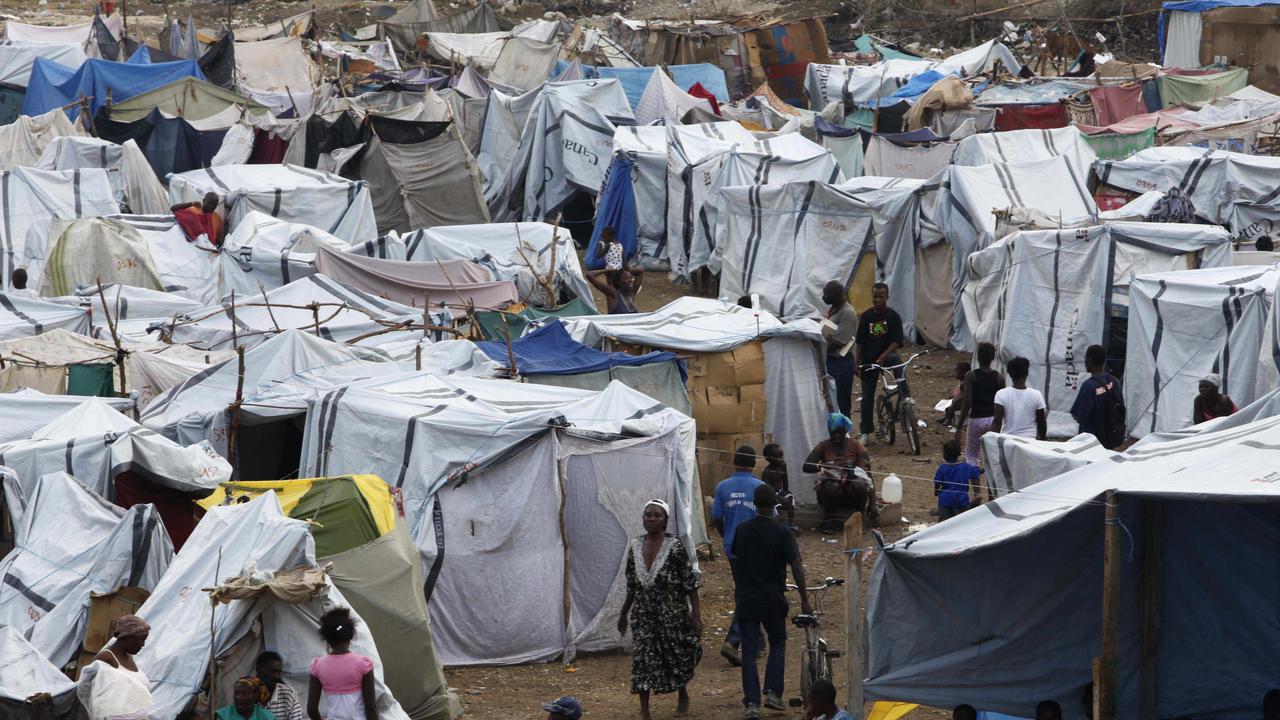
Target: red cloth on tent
(1031,117)
(1114,103)
(196,222)
(178,511)
(699,91)
(268,148)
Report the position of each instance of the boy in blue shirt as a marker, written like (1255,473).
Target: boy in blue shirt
(821,703)
(953,482)
(734,504)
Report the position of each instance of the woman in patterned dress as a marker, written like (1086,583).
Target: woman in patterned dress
(664,611)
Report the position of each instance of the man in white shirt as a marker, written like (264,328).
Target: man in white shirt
(19,282)
(1020,410)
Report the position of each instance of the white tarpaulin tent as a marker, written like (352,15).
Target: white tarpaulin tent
(1025,571)
(1023,145)
(136,185)
(26,138)
(254,537)
(265,253)
(1046,295)
(185,268)
(663,101)
(341,207)
(423,183)
(17,57)
(794,385)
(26,411)
(522,253)
(70,542)
(32,198)
(278,73)
(1185,325)
(490,471)
(92,250)
(21,316)
(29,673)
(1013,463)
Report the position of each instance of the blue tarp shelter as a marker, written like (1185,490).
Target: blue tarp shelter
(1198,6)
(711,77)
(550,351)
(634,80)
(616,208)
(54,86)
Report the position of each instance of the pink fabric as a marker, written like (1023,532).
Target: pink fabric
(974,429)
(1164,119)
(1114,103)
(341,674)
(1189,72)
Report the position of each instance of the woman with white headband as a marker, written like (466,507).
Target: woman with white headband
(1210,403)
(664,612)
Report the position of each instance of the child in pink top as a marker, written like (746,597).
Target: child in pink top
(345,678)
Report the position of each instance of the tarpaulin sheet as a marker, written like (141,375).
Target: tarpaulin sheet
(1114,103)
(458,282)
(1029,93)
(1023,145)
(18,58)
(1116,146)
(34,197)
(422,184)
(633,80)
(1177,90)
(664,102)
(26,139)
(617,210)
(275,65)
(1038,117)
(170,144)
(496,325)
(550,351)
(53,86)
(1170,119)
(708,75)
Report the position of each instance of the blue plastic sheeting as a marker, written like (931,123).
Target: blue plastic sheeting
(550,351)
(822,127)
(914,88)
(634,80)
(616,208)
(54,86)
(1199,6)
(866,44)
(711,77)
(923,135)
(588,71)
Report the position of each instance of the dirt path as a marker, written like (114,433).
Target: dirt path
(602,681)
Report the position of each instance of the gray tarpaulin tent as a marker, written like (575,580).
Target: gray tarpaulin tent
(29,673)
(491,471)
(1022,145)
(455,283)
(70,542)
(34,197)
(22,316)
(135,183)
(254,537)
(1046,295)
(26,411)
(265,253)
(422,183)
(1185,325)
(1001,606)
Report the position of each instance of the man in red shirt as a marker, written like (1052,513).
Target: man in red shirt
(200,218)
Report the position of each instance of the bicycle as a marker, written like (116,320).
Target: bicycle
(895,406)
(815,658)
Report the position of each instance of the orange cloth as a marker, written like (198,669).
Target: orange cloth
(195,222)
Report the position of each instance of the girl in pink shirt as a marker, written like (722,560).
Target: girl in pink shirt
(345,678)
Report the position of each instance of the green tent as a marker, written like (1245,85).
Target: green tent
(188,98)
(491,320)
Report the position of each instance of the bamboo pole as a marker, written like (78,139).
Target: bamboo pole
(115,338)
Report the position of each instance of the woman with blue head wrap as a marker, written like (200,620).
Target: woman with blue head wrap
(842,485)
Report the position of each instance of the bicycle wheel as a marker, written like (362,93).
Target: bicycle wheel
(911,428)
(821,663)
(888,428)
(807,673)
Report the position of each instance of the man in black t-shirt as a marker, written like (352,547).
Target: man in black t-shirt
(762,550)
(878,339)
(1094,400)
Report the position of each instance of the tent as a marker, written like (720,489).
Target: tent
(32,674)
(787,363)
(98,82)
(1185,325)
(1048,294)
(78,33)
(499,325)
(1026,571)
(490,471)
(276,72)
(265,253)
(405,27)
(1014,463)
(184,267)
(358,530)
(27,138)
(170,144)
(314,303)
(29,410)
(290,193)
(69,543)
(548,356)
(530,254)
(189,98)
(34,197)
(254,538)
(136,185)
(1022,145)
(16,61)
(664,101)
(83,252)
(1188,29)
(458,284)
(22,316)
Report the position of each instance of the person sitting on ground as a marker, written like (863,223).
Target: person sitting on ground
(964,712)
(957,395)
(282,701)
(563,708)
(978,404)
(821,703)
(1210,403)
(19,282)
(619,288)
(954,481)
(1096,398)
(112,687)
(200,218)
(344,677)
(609,251)
(1271,705)
(731,507)
(1048,710)
(775,476)
(247,698)
(839,489)
(1020,410)
(1265,244)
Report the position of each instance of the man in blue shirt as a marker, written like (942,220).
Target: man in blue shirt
(1093,406)
(734,504)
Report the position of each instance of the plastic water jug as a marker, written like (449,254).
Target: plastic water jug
(891,489)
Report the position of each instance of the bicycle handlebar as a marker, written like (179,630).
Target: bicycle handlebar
(890,368)
(827,584)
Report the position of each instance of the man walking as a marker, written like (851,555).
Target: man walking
(878,339)
(764,549)
(1099,405)
(839,329)
(733,506)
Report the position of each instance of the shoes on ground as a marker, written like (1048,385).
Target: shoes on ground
(773,702)
(730,653)
(751,712)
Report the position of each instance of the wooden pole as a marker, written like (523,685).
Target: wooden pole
(1152,576)
(1105,667)
(855,662)
(213,640)
(233,432)
(511,354)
